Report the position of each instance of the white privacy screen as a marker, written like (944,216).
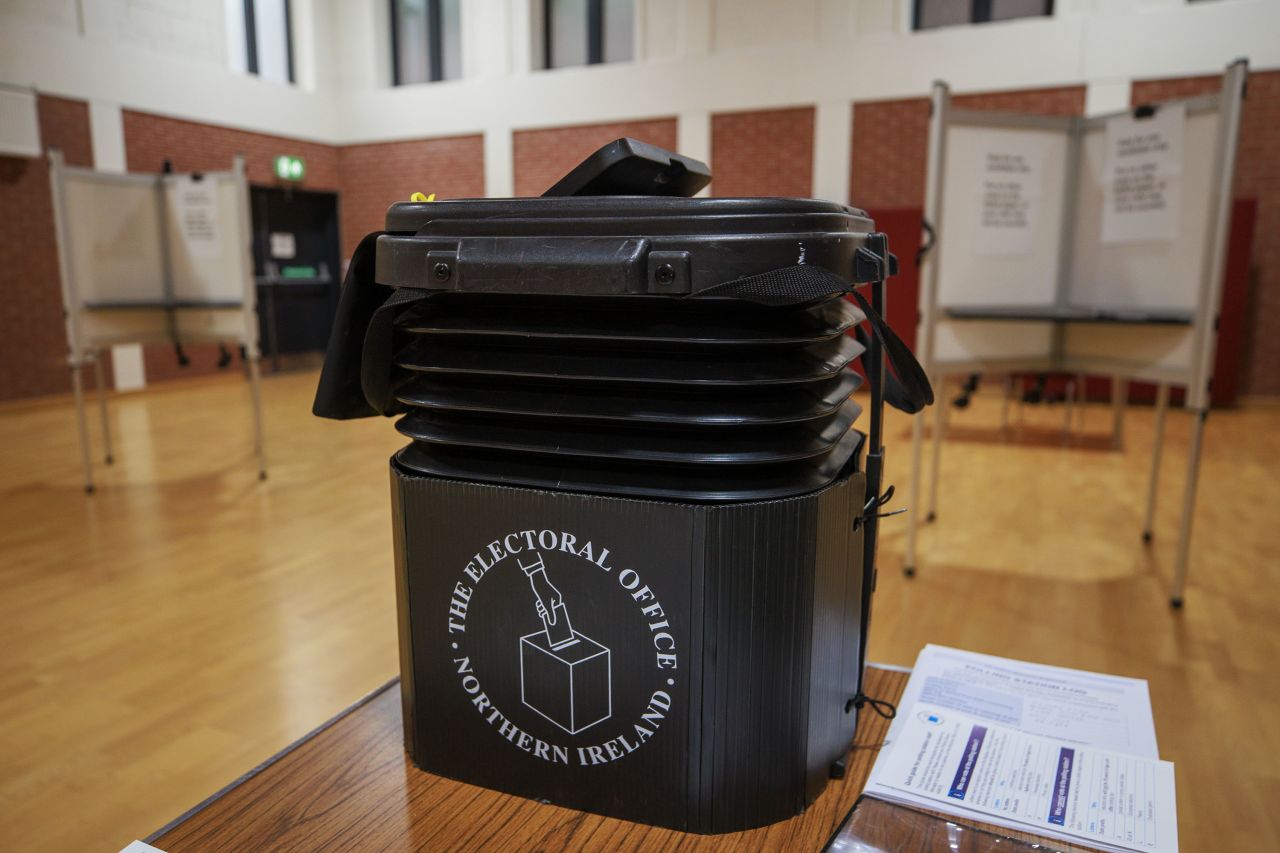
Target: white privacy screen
(1002,215)
(116,239)
(1146,274)
(991,341)
(113,239)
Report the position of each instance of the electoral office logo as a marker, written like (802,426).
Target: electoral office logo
(561,654)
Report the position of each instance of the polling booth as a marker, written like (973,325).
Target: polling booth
(1081,246)
(153,258)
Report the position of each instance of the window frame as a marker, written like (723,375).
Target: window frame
(979,13)
(251,38)
(595,35)
(435,44)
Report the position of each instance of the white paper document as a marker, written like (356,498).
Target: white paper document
(1009,190)
(1075,706)
(1142,177)
(197,212)
(946,760)
(1059,752)
(141,847)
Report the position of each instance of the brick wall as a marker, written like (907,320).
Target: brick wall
(376,175)
(543,156)
(766,153)
(1258,177)
(194,147)
(891,140)
(33,342)
(889,151)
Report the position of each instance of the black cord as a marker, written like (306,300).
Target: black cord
(926,245)
(874,503)
(883,707)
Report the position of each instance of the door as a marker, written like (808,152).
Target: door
(296,261)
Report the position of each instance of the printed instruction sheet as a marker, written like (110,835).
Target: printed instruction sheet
(944,759)
(1143,176)
(1060,752)
(1092,708)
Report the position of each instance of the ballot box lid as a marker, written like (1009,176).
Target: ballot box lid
(585,340)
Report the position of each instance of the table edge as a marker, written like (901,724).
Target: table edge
(245,777)
(320,729)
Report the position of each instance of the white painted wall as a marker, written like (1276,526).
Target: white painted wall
(694,58)
(168,57)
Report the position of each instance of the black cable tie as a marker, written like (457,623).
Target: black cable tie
(873,504)
(883,707)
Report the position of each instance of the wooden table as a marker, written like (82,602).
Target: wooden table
(348,785)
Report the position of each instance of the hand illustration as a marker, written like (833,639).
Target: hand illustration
(548,597)
(549,604)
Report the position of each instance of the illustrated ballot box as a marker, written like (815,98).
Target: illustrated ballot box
(570,686)
(632,524)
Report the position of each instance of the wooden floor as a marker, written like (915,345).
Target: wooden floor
(167,634)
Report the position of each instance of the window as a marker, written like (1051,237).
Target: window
(259,38)
(426,41)
(587,32)
(931,14)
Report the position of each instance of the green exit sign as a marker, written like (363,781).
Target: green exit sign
(290,168)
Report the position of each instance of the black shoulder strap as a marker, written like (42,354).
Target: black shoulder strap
(907,388)
(379,352)
(355,380)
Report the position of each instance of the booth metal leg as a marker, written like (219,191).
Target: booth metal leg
(77,388)
(1153,482)
(1188,509)
(1119,396)
(255,390)
(917,457)
(101,384)
(939,421)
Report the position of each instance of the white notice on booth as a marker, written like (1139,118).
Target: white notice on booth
(1009,187)
(1142,176)
(197,215)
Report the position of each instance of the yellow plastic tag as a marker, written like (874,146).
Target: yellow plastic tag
(421,197)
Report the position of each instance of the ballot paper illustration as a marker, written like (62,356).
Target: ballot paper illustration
(565,676)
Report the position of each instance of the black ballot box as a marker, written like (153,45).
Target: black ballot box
(635,522)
